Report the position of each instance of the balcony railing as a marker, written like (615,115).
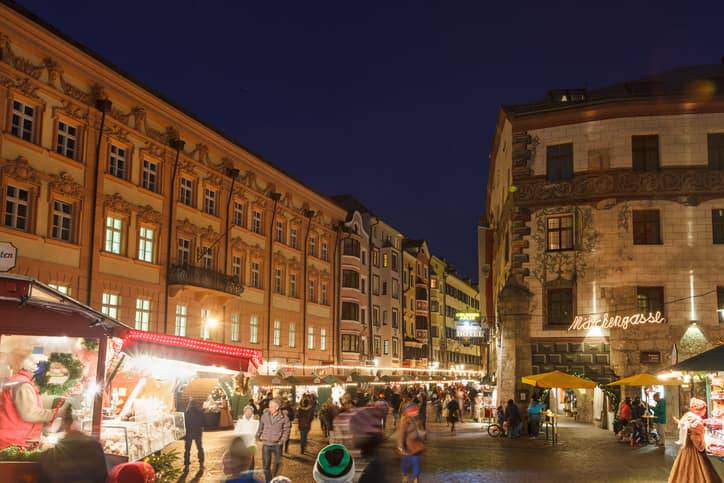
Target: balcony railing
(205,278)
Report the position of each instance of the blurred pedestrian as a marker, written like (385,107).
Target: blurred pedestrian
(138,472)
(535,408)
(513,419)
(660,418)
(453,413)
(238,461)
(411,444)
(305,414)
(194,420)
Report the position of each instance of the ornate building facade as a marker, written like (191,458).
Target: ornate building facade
(605,215)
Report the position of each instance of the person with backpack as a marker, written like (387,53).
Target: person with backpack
(410,443)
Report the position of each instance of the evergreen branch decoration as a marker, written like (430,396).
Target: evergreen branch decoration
(75,372)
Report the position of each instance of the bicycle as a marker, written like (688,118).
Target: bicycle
(496,431)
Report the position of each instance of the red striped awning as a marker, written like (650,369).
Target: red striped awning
(196,351)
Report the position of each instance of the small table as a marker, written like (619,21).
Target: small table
(550,422)
(648,418)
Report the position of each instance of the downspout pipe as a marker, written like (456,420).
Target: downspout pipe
(444,317)
(275,197)
(178,145)
(104,106)
(429,316)
(370,332)
(337,295)
(309,214)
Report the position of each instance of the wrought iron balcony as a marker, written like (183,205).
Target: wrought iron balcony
(205,278)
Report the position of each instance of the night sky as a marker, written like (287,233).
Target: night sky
(395,105)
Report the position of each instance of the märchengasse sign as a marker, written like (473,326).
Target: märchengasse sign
(8,256)
(587,322)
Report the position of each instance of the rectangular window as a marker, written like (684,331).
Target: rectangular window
(66,142)
(324,252)
(386,346)
(62,228)
(293,238)
(363,285)
(312,291)
(17,208)
(395,288)
(146,240)
(181,320)
(149,176)
(350,343)
(277,340)
(184,251)
(559,234)
(717,226)
(292,335)
(207,258)
(322,339)
(23,121)
(143,314)
(384,317)
(395,315)
(256,222)
(254,329)
(239,214)
(64,289)
(310,338)
(376,315)
(205,332)
(650,299)
(186,195)
(715,143)
(646,227)
(114,235)
(117,163)
(375,257)
(433,282)
(375,284)
(278,287)
(384,288)
(394,347)
(279,231)
(363,315)
(394,262)
(378,343)
(560,306)
(720,304)
(350,311)
(235,327)
(236,266)
(293,285)
(210,201)
(645,152)
(385,260)
(350,279)
(323,294)
(110,303)
(255,280)
(559,162)
(313,247)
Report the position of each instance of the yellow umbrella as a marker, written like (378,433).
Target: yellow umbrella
(644,380)
(558,379)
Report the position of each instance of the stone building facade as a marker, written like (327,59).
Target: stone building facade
(607,202)
(200,238)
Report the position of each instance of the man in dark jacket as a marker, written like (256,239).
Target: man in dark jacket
(305,414)
(512,417)
(194,417)
(273,432)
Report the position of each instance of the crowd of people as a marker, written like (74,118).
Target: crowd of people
(630,425)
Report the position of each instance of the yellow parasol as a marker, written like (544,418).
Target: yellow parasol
(644,380)
(558,379)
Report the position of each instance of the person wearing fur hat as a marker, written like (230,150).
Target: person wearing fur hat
(691,464)
(334,465)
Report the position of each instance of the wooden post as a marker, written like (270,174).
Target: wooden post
(103,342)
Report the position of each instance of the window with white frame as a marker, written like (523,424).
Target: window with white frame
(323,294)
(386,346)
(292,342)
(235,327)
(277,339)
(254,329)
(255,277)
(207,258)
(210,201)
(64,289)
(313,247)
(17,208)
(184,251)
(324,252)
(117,162)
(279,231)
(149,175)
(205,329)
(66,142)
(236,266)
(62,221)
(256,222)
(146,240)
(293,285)
(23,121)
(186,194)
(110,303)
(294,238)
(239,214)
(278,287)
(312,291)
(143,313)
(310,338)
(182,312)
(114,235)
(322,339)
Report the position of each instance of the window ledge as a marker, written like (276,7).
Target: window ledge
(24,234)
(62,243)
(22,142)
(146,264)
(114,255)
(154,194)
(121,181)
(76,163)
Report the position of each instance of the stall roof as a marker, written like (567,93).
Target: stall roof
(709,361)
(197,351)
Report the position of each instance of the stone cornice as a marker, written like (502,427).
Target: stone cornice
(689,185)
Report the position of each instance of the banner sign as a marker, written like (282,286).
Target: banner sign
(586,322)
(468,325)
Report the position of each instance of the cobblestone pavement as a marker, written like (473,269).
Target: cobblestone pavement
(585,454)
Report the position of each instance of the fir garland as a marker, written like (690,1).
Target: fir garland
(75,372)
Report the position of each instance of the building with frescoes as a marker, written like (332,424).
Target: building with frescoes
(602,241)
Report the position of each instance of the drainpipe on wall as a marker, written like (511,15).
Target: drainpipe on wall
(429,315)
(178,145)
(103,105)
(444,316)
(305,290)
(370,331)
(337,295)
(275,197)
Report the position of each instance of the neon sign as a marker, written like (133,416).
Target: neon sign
(585,322)
(467,316)
(468,325)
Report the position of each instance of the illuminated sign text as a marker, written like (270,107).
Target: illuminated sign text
(585,322)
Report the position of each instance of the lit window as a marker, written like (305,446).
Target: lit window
(64,289)
(313,247)
(277,341)
(292,335)
(236,266)
(114,234)
(385,260)
(235,327)
(184,251)
(322,339)
(386,345)
(67,140)
(323,294)
(254,329)
(145,244)
(143,314)
(255,275)
(149,177)
(310,338)
(62,228)
(210,201)
(181,320)
(256,222)
(239,215)
(278,280)
(279,231)
(17,208)
(293,238)
(205,326)
(324,253)
(187,191)
(110,304)
(23,120)
(559,233)
(207,258)
(117,165)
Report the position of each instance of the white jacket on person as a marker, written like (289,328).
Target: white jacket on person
(246,429)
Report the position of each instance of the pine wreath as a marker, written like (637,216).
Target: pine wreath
(75,372)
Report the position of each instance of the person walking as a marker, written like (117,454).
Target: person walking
(410,443)
(273,432)
(395,402)
(305,414)
(453,413)
(534,412)
(246,427)
(512,417)
(660,419)
(194,420)
(423,408)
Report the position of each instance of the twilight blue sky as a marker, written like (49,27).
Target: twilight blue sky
(393,102)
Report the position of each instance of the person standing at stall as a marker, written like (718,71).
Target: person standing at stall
(512,417)
(305,414)
(194,417)
(691,464)
(660,419)
(273,432)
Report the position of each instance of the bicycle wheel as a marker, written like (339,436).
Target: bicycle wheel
(653,438)
(494,431)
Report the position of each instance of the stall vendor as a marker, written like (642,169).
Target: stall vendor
(21,408)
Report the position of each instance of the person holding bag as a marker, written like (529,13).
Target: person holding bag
(410,443)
